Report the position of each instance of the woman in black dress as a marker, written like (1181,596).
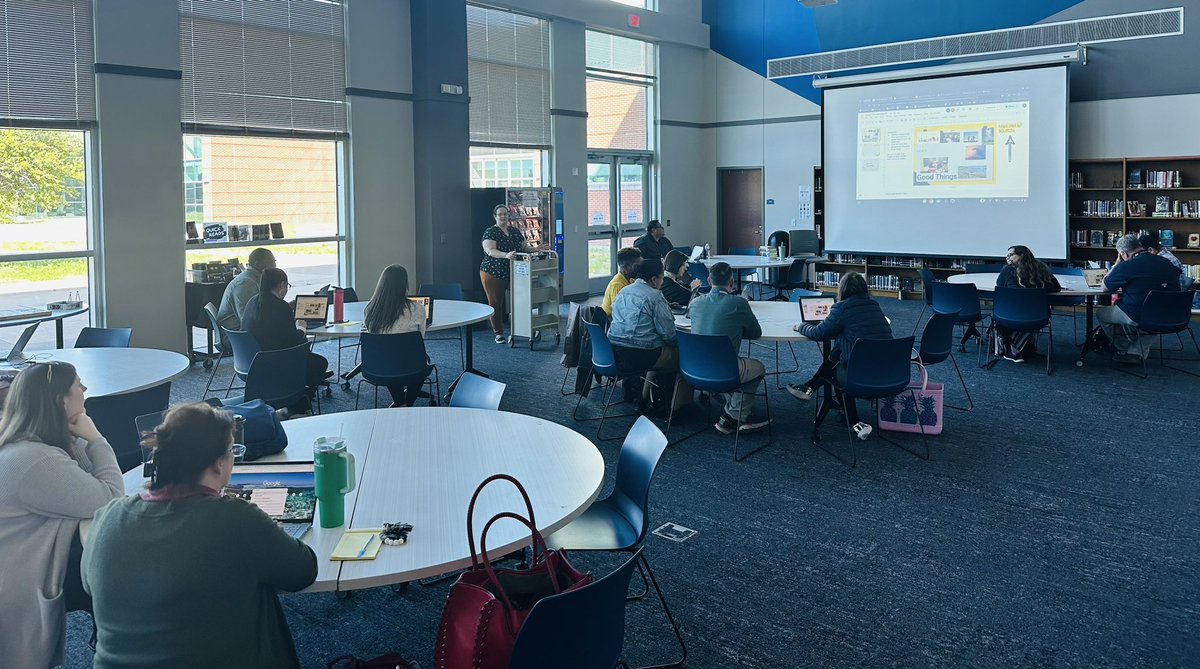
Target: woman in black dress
(500,242)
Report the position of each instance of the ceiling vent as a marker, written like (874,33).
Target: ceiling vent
(1115,28)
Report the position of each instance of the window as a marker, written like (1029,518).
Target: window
(640,4)
(282,193)
(507,168)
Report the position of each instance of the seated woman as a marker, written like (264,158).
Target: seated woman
(55,470)
(272,322)
(1023,271)
(855,316)
(678,287)
(391,312)
(182,575)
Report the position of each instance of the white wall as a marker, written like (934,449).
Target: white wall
(687,153)
(1132,127)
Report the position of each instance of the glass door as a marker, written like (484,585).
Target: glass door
(618,209)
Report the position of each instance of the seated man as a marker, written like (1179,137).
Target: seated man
(719,312)
(243,287)
(1153,246)
(643,330)
(627,262)
(1135,274)
(654,244)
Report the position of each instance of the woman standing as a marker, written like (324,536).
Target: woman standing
(55,470)
(391,312)
(1023,271)
(183,576)
(500,242)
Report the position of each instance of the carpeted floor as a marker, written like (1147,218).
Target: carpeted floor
(1055,525)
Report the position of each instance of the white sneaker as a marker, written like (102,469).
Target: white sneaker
(862,430)
(800,391)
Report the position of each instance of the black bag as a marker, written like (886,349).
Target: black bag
(387,661)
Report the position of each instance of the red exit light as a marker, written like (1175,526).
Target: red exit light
(635,21)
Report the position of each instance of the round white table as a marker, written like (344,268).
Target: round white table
(776,319)
(420,466)
(55,315)
(116,371)
(747,262)
(447,314)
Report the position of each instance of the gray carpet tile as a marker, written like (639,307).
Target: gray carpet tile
(1055,525)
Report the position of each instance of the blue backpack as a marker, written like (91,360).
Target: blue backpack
(263,432)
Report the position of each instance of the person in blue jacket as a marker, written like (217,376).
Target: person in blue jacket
(1135,274)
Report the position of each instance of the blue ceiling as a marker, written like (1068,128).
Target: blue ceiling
(749,32)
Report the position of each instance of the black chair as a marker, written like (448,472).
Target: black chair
(104,338)
(963,298)
(790,280)
(220,343)
(445,291)
(396,360)
(1167,312)
(1072,301)
(115,416)
(927,282)
(476,392)
(1021,310)
(621,521)
(582,629)
(936,343)
(604,364)
(276,377)
(878,368)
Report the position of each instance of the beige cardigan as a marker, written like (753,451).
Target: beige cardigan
(44,493)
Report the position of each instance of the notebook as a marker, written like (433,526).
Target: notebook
(312,309)
(357,545)
(283,490)
(1094,278)
(813,310)
(428,302)
(17,353)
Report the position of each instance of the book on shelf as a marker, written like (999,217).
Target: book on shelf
(1166,239)
(1081,237)
(1111,237)
(1135,178)
(1096,238)
(1193,241)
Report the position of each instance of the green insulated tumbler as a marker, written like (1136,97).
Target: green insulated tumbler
(333,476)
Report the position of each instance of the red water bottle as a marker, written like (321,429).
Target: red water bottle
(339,299)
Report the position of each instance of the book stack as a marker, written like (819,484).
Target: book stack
(1154,179)
(1104,208)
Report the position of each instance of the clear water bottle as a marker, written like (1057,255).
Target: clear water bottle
(706,255)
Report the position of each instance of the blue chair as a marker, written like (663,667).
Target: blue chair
(709,364)
(743,274)
(1167,312)
(878,368)
(475,392)
(244,347)
(1022,310)
(935,347)
(276,377)
(963,298)
(396,360)
(792,279)
(927,281)
(699,270)
(604,364)
(104,338)
(1072,301)
(621,521)
(220,343)
(583,628)
(445,291)
(115,417)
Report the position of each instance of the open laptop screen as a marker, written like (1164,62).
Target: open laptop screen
(428,302)
(312,307)
(815,309)
(285,491)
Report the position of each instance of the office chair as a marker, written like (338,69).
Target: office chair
(1021,310)
(397,360)
(1167,312)
(103,337)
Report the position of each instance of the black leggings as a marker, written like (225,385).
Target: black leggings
(825,375)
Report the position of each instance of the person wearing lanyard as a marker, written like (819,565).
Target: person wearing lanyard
(500,242)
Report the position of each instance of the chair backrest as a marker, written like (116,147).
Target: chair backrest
(879,367)
(797,294)
(699,270)
(1020,308)
(391,357)
(475,392)
(115,417)
(640,453)
(960,297)
(708,362)
(604,359)
(244,346)
(804,242)
(583,628)
(1067,271)
(743,252)
(348,294)
(441,291)
(983,268)
(927,281)
(104,338)
(277,377)
(210,311)
(1166,311)
(937,338)
(796,271)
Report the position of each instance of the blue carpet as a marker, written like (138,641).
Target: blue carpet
(1056,525)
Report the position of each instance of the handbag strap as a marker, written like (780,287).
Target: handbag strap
(535,539)
(924,374)
(471,512)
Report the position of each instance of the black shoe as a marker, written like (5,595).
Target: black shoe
(726,424)
(1127,358)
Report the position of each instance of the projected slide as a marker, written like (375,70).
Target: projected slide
(969,151)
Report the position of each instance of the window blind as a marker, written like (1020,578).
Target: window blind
(266,64)
(508,75)
(47,61)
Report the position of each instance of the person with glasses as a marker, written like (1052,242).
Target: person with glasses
(1022,270)
(56,470)
(243,288)
(500,243)
(182,575)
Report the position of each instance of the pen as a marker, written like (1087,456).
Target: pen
(366,546)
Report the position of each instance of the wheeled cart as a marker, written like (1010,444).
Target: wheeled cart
(535,296)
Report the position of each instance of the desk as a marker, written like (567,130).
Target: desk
(56,316)
(420,466)
(116,371)
(1072,286)
(447,314)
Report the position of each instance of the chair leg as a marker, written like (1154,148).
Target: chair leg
(738,433)
(221,357)
(970,403)
(919,317)
(1050,348)
(645,586)
(670,618)
(357,392)
(824,405)
(563,388)
(610,388)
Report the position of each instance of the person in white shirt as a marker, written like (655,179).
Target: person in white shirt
(391,312)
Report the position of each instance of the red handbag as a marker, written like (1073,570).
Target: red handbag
(486,607)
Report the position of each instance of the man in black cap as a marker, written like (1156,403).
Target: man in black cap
(653,244)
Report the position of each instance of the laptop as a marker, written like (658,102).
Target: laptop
(428,302)
(17,353)
(312,309)
(1094,278)
(813,310)
(285,491)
